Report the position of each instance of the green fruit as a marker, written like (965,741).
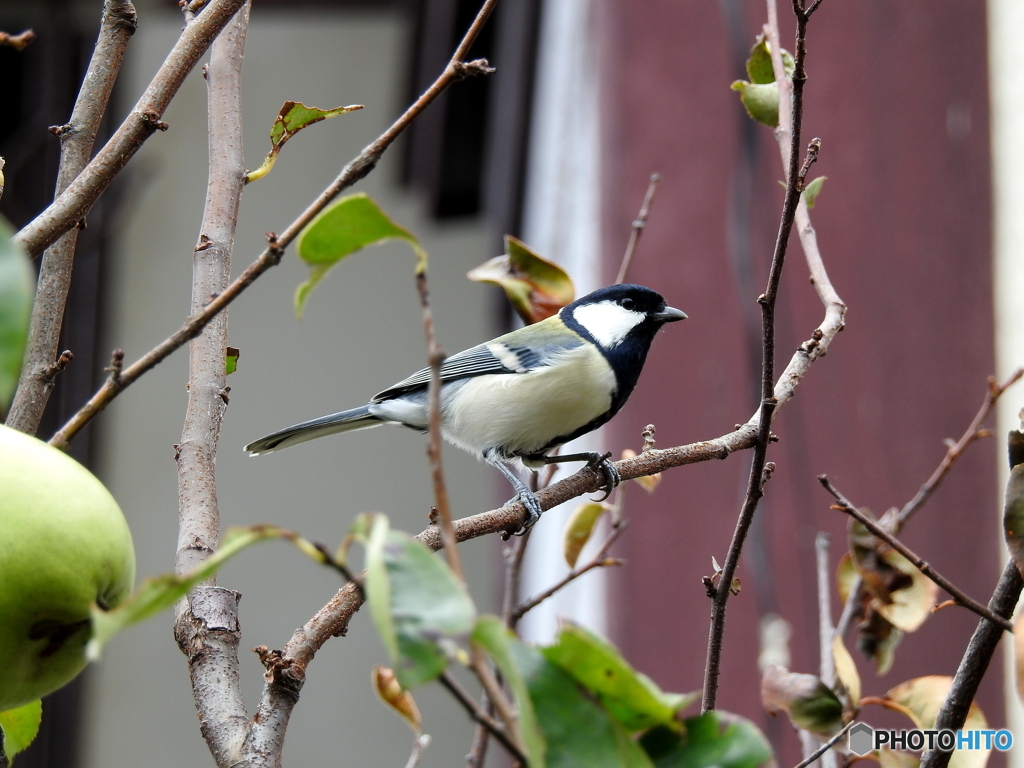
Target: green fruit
(64,545)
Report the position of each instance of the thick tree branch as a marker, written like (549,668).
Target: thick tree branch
(72,205)
(980,650)
(350,174)
(206,625)
(959,597)
(117,25)
(759,468)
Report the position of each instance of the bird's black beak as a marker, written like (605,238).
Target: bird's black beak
(669,315)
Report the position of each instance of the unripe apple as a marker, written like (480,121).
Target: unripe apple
(64,545)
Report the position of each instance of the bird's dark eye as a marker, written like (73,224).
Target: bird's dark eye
(627,303)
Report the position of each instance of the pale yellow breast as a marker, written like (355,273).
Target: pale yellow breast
(536,407)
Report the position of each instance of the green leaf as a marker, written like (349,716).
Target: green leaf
(420,607)
(536,287)
(491,635)
(812,190)
(160,592)
(715,739)
(293,117)
(231,360)
(344,227)
(20,726)
(631,697)
(760,101)
(577,730)
(16,290)
(810,703)
(759,62)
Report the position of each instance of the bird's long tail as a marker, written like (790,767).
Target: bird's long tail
(346,421)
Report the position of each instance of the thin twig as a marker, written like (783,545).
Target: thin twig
(876,530)
(980,650)
(826,746)
(638,227)
(356,169)
(436,356)
(973,433)
(117,25)
(480,716)
(478,662)
(599,560)
(759,469)
(421,743)
(827,669)
(211,646)
(72,205)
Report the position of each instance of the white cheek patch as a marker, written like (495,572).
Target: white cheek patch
(608,322)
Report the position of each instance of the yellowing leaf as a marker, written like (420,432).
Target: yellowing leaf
(580,528)
(537,288)
(890,758)
(922,697)
(386,685)
(846,670)
(293,117)
(903,595)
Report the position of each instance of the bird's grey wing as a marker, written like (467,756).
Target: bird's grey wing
(515,352)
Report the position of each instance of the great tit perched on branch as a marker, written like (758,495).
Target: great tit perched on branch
(524,394)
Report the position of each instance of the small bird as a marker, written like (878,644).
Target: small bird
(517,398)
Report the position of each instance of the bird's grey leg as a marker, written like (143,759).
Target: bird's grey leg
(523,493)
(597,462)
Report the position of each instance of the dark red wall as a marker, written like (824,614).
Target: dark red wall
(897,93)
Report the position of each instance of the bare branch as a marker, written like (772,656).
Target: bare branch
(206,625)
(895,523)
(638,228)
(980,650)
(876,530)
(72,205)
(350,174)
(599,560)
(759,468)
(826,746)
(435,357)
(117,25)
(826,667)
(480,716)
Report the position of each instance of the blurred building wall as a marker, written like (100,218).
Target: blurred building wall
(361,331)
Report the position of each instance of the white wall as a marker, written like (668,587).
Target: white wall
(1005,30)
(361,332)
